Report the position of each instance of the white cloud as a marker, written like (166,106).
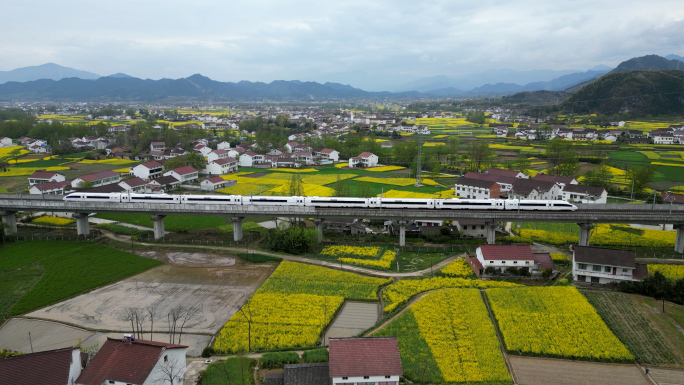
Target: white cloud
(266,39)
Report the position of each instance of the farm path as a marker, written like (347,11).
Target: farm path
(294,258)
(388,321)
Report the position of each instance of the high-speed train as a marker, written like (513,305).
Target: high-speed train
(328,202)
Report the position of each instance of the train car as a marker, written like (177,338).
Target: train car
(151,198)
(273,201)
(469,204)
(92,197)
(327,202)
(407,203)
(212,199)
(543,205)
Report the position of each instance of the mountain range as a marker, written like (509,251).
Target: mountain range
(52,82)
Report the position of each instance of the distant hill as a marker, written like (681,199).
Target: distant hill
(195,87)
(637,92)
(648,63)
(536,98)
(557,84)
(120,75)
(674,57)
(44,71)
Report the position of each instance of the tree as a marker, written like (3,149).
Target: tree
(84,185)
(194,159)
(246,312)
(15,154)
(341,188)
(641,177)
(522,163)
(600,177)
(296,187)
(171,372)
(562,158)
(479,154)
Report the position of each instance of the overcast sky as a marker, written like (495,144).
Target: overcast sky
(358,41)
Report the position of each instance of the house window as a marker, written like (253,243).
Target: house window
(482,227)
(582,266)
(596,268)
(515,262)
(345,378)
(606,269)
(624,270)
(595,280)
(366,377)
(491,261)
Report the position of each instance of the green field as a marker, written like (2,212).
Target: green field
(70,268)
(184,223)
(234,370)
(633,328)
(14,283)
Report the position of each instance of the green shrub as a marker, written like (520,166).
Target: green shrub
(313,356)
(258,258)
(278,359)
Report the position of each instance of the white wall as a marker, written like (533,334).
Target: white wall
(176,360)
(375,379)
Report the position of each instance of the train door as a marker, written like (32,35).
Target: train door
(499,204)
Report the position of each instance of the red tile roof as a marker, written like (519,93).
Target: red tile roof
(365,154)
(123,361)
(369,356)
(43,174)
(216,179)
(98,176)
(507,252)
(151,164)
(45,368)
(185,170)
(134,182)
(500,172)
(225,160)
(544,260)
(47,186)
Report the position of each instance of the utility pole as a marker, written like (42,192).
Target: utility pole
(418,166)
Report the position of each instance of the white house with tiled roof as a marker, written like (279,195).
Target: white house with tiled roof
(184,174)
(598,265)
(221,166)
(147,170)
(45,176)
(364,360)
(364,160)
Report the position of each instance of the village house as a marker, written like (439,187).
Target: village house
(530,189)
(216,154)
(202,149)
(561,181)
(598,265)
(48,188)
(502,257)
(472,229)
(184,174)
(223,145)
(157,146)
(584,194)
(368,360)
(102,178)
(364,160)
(330,154)
(506,173)
(134,185)
(249,159)
(477,189)
(162,184)
(214,183)
(50,367)
(130,361)
(221,166)
(45,176)
(148,170)
(5,142)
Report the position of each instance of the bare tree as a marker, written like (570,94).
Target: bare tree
(129,315)
(178,318)
(151,312)
(171,372)
(139,322)
(246,312)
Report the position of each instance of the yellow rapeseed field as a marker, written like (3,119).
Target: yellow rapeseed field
(359,251)
(21,171)
(385,168)
(385,262)
(669,271)
(48,220)
(294,169)
(554,322)
(459,269)
(455,325)
(400,292)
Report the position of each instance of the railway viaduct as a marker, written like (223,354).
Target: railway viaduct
(586,216)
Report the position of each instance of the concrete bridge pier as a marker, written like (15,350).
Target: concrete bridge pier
(585,233)
(9,218)
(158,221)
(319,229)
(237,228)
(82,225)
(402,232)
(679,241)
(491,232)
